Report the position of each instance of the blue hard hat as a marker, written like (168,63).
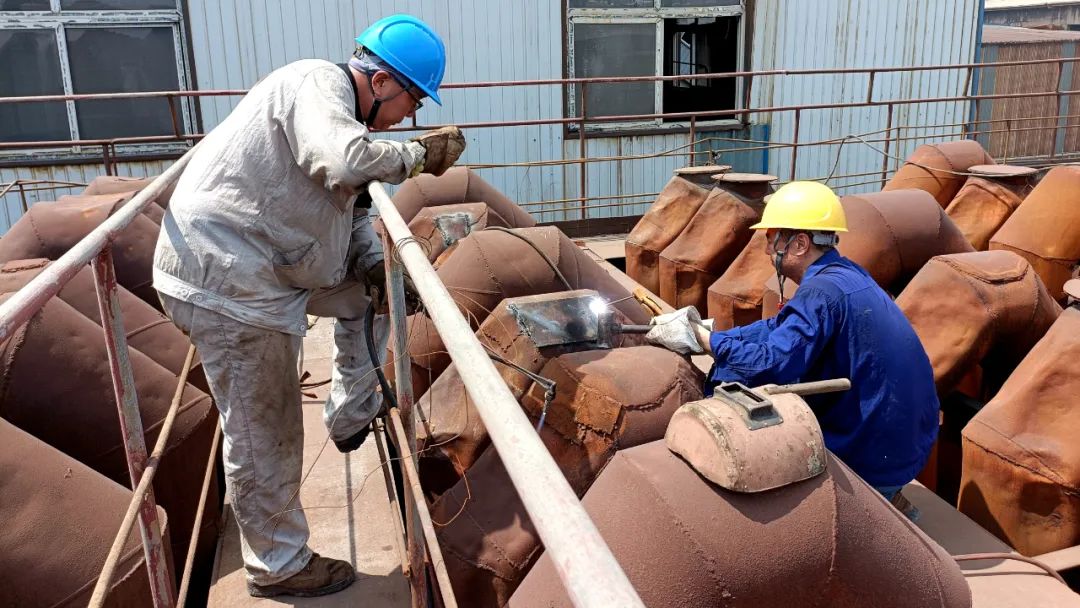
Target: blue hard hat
(411,47)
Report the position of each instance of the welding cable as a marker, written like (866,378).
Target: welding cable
(536,247)
(373,353)
(548,384)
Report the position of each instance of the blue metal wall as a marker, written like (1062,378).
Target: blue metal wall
(235,42)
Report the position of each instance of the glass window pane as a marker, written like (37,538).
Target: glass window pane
(24,5)
(611,4)
(616,49)
(116,5)
(31,67)
(122,60)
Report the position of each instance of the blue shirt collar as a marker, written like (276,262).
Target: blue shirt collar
(831,256)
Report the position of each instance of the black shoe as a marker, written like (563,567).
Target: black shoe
(351,444)
(321,576)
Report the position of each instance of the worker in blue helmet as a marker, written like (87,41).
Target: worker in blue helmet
(269,223)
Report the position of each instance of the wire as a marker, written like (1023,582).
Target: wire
(536,247)
(970,557)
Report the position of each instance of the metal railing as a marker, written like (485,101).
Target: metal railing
(888,137)
(586,566)
(583,561)
(95,249)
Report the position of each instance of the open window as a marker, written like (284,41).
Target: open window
(617,38)
(57,47)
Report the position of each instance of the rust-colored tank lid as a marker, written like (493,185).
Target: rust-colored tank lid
(1002,170)
(744,178)
(708,170)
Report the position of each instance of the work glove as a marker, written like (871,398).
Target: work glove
(675,331)
(443,147)
(375,281)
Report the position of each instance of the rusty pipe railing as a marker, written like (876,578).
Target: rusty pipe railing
(94,249)
(585,564)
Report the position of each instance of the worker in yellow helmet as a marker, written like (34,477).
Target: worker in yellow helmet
(839,324)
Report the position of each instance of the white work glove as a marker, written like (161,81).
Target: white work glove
(675,331)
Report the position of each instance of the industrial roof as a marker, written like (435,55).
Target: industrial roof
(999,34)
(1007,4)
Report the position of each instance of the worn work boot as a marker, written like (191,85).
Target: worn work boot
(353,443)
(321,576)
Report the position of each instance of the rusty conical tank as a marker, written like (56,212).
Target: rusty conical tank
(712,238)
(60,518)
(1021,464)
(685,542)
(1045,229)
(938,168)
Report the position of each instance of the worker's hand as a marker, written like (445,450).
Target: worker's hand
(375,280)
(677,331)
(443,147)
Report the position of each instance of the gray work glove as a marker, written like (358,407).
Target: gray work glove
(375,281)
(443,146)
(675,331)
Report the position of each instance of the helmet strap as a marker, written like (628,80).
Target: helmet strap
(778,260)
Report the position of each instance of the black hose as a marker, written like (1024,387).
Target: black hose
(373,353)
(554,268)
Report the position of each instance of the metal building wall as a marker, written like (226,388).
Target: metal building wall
(11,204)
(1034,16)
(235,42)
(859,33)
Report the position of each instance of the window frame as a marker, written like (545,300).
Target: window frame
(657,15)
(58,20)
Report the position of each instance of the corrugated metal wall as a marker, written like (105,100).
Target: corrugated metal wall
(11,205)
(1018,130)
(859,33)
(235,42)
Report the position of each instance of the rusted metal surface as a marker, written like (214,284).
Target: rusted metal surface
(938,168)
(1020,463)
(443,226)
(603,404)
(60,517)
(127,401)
(717,438)
(489,266)
(985,201)
(687,543)
(586,568)
(665,219)
(1045,229)
(449,421)
(49,230)
(712,239)
(146,329)
(985,308)
(458,185)
(76,411)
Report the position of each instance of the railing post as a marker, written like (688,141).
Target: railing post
(583,150)
(127,402)
(795,145)
(172,112)
(405,400)
(888,141)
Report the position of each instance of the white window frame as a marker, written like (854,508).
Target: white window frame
(656,15)
(58,20)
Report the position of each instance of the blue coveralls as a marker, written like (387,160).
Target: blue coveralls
(840,324)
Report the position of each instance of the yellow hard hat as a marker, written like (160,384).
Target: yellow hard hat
(803,206)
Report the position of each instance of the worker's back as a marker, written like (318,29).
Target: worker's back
(886,424)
